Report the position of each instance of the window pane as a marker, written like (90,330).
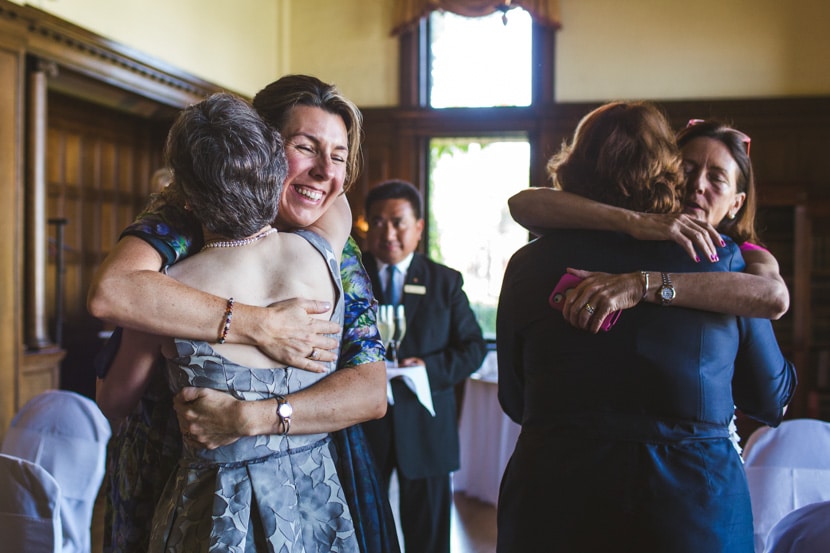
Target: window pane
(480,61)
(470,228)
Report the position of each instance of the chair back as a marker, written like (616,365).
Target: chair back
(29,507)
(787,467)
(66,434)
(805,530)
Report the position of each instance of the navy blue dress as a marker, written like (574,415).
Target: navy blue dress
(625,440)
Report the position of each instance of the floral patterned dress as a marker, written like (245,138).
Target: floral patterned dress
(144,451)
(261,493)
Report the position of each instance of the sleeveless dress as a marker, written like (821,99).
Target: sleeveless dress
(262,493)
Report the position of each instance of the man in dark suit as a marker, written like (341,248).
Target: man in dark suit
(441,334)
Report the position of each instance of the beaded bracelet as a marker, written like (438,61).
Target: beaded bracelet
(227,326)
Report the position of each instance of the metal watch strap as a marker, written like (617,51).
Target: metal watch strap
(667,291)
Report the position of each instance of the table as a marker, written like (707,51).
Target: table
(487,436)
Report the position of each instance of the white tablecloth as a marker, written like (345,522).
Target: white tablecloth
(416,379)
(487,436)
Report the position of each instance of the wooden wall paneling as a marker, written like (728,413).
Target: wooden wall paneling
(11,229)
(105,166)
(818,391)
(111,78)
(801,304)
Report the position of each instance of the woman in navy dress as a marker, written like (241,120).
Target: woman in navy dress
(625,434)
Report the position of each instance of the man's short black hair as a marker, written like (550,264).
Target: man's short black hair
(395,190)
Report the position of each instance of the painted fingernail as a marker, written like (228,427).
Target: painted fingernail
(723,242)
(697,259)
(714,257)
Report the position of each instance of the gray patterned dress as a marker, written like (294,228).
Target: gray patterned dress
(262,493)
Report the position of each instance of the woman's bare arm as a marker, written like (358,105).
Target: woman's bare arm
(763,264)
(542,209)
(128,290)
(345,397)
(758,292)
(335,224)
(741,294)
(129,374)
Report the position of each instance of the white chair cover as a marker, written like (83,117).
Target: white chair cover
(805,530)
(787,468)
(66,434)
(29,507)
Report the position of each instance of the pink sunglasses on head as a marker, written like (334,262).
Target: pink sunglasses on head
(743,136)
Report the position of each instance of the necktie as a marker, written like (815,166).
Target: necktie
(393,293)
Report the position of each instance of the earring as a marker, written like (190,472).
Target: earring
(731,215)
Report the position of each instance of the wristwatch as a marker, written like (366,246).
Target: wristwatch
(666,291)
(284,412)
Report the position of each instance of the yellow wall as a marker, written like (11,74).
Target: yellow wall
(674,49)
(659,49)
(346,42)
(232,43)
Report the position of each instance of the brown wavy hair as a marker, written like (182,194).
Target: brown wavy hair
(742,228)
(622,154)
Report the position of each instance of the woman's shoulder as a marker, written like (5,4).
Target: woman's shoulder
(750,247)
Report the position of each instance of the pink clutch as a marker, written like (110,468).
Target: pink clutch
(565,285)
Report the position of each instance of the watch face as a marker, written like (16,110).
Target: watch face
(667,293)
(285,410)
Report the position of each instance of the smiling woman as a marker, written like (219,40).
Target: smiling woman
(317,152)
(325,130)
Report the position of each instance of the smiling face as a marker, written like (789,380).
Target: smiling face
(316,147)
(711,180)
(394,231)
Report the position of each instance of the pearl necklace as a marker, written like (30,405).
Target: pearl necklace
(239,242)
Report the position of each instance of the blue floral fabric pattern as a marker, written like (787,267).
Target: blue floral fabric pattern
(280,491)
(145,451)
(277,490)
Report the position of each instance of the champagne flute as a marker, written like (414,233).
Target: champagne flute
(387,328)
(399,318)
(386,324)
(400,324)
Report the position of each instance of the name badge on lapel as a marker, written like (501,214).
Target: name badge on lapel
(414,289)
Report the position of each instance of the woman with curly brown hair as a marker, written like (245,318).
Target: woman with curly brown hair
(625,434)
(719,198)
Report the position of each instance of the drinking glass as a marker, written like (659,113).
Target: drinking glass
(387,329)
(399,318)
(392,327)
(386,324)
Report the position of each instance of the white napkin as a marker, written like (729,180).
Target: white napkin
(415,378)
(489,369)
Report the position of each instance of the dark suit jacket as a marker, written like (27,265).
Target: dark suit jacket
(442,330)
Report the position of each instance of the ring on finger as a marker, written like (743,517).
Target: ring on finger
(313,355)
(589,308)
